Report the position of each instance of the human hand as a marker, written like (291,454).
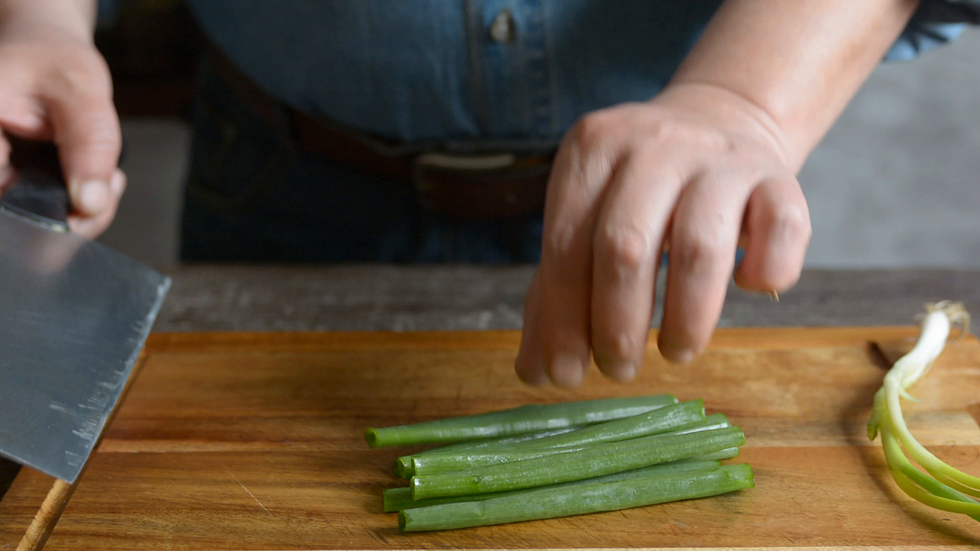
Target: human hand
(54,85)
(690,170)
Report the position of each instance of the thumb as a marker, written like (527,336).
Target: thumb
(86,131)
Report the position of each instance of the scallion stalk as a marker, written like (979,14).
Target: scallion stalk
(948,489)
(552,502)
(516,421)
(598,460)
(396,499)
(682,416)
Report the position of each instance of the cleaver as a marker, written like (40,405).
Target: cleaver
(74,316)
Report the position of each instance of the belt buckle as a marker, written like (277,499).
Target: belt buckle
(479,187)
(453,161)
(456,163)
(440,166)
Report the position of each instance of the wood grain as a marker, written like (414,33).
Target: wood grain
(49,509)
(254,441)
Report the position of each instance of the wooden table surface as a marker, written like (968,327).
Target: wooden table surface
(372,298)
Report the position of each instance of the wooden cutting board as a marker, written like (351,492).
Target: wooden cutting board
(254,441)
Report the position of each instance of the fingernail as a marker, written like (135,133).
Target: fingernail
(93,196)
(625,372)
(677,356)
(566,370)
(682,357)
(533,375)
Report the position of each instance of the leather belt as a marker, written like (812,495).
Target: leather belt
(460,187)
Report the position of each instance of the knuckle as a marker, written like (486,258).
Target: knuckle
(81,74)
(626,248)
(650,146)
(102,133)
(699,252)
(660,129)
(617,347)
(558,245)
(790,223)
(594,129)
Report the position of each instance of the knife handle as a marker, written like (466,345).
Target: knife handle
(37,190)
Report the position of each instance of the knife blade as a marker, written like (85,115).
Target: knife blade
(74,315)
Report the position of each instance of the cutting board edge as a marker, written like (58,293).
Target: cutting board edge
(773,548)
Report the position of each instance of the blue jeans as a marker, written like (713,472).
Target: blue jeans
(253,196)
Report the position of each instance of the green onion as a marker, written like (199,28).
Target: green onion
(492,442)
(404,468)
(563,501)
(453,463)
(726,453)
(521,420)
(598,460)
(929,490)
(396,499)
(713,421)
(443,463)
(948,489)
(669,418)
(685,415)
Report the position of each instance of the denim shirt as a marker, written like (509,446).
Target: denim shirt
(481,70)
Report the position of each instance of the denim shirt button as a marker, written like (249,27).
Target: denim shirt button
(502,28)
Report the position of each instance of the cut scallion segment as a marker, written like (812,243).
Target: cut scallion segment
(680,416)
(521,420)
(598,460)
(552,502)
(396,499)
(711,422)
(669,418)
(727,453)
(405,469)
(501,441)
(438,463)
(454,463)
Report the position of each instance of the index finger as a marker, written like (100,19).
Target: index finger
(87,132)
(582,167)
